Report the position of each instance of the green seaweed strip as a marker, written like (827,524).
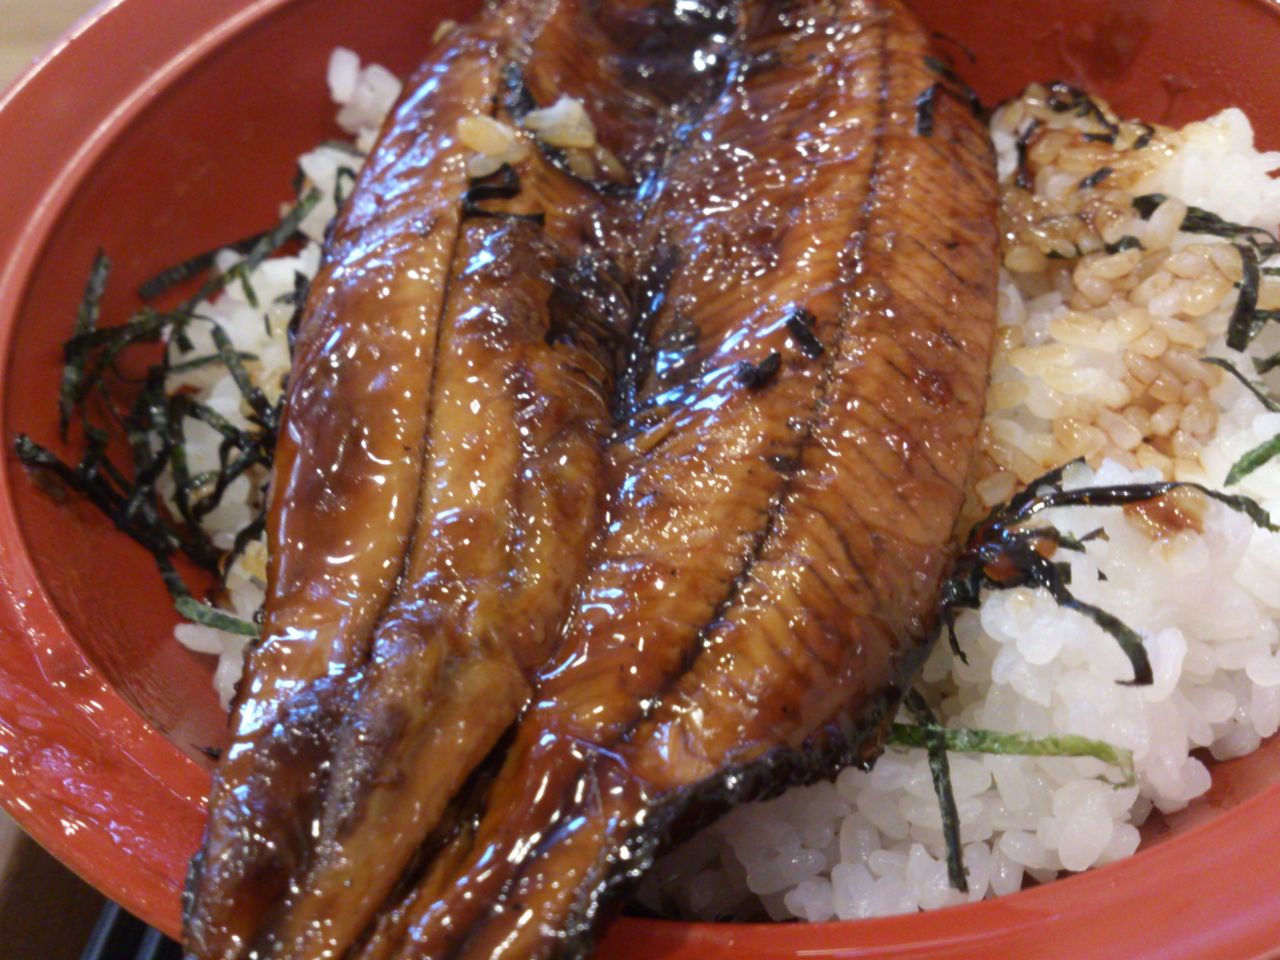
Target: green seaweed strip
(87,316)
(1268,450)
(251,392)
(197,612)
(1127,242)
(1250,461)
(267,244)
(968,740)
(935,742)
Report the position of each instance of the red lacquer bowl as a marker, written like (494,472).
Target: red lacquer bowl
(161,128)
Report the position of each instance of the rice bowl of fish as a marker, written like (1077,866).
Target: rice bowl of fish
(1082,764)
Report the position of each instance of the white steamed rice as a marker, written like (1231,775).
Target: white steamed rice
(1098,358)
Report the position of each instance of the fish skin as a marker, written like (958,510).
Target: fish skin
(612,747)
(340,783)
(831,596)
(348,461)
(512,498)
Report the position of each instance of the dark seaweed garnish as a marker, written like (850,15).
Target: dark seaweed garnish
(928,734)
(925,104)
(1095,178)
(502,184)
(1127,242)
(87,316)
(756,375)
(800,325)
(1024,178)
(1064,98)
(1227,365)
(1245,321)
(1002,553)
(1266,451)
(1144,139)
(1255,245)
(113,410)
(1199,220)
(519,101)
(956,86)
(201,263)
(935,741)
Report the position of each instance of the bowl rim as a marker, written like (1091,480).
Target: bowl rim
(1169,901)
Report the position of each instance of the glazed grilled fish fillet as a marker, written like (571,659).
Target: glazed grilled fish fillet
(398,653)
(649,479)
(769,575)
(348,468)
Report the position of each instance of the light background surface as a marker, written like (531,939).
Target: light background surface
(29,27)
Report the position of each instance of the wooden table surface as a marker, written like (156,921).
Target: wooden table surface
(28,27)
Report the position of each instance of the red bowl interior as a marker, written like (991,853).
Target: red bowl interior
(164,127)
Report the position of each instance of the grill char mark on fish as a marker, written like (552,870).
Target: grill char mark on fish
(729,528)
(348,461)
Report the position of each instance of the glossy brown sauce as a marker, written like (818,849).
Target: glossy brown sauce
(654,477)
(1169,514)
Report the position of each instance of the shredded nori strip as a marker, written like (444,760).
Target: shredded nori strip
(925,104)
(1024,179)
(203,614)
(800,325)
(955,85)
(170,277)
(502,184)
(152,421)
(1245,323)
(301,289)
(1251,460)
(1095,178)
(1199,220)
(968,740)
(1002,553)
(1263,365)
(1255,246)
(756,375)
(1063,98)
(935,742)
(1145,138)
(1266,451)
(87,316)
(1127,242)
